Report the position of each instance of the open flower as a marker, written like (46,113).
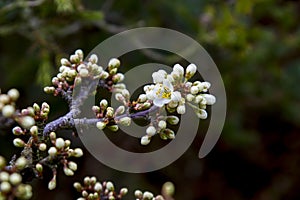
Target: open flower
(163,93)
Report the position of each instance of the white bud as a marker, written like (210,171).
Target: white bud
(119,97)
(13,94)
(52,151)
(173,120)
(39,167)
(145,140)
(2,162)
(72,165)
(190,97)
(60,143)
(4,176)
(142,98)
(83,72)
(4,98)
(98,187)
(104,75)
(93,58)
(198,99)
(34,130)
(178,69)
(148,195)
(74,58)
(194,90)
(123,191)
(100,125)
(138,194)
(103,103)
(125,93)
(158,77)
(79,52)
(27,122)
(125,121)
(15,178)
(202,114)
(65,62)
(78,152)
(181,109)
(52,184)
(110,186)
(5,187)
(21,162)
(210,99)
(190,71)
(8,110)
(18,142)
(162,124)
(151,131)
(205,85)
(120,110)
(42,147)
(68,171)
(114,63)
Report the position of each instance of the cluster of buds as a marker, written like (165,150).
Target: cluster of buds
(60,152)
(172,91)
(159,126)
(139,195)
(73,70)
(92,189)
(11,181)
(7,103)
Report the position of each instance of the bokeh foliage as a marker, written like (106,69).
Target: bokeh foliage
(255,44)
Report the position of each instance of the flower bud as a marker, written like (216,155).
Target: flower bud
(114,128)
(120,110)
(34,130)
(202,114)
(123,191)
(100,125)
(77,153)
(21,162)
(4,176)
(68,171)
(126,93)
(178,69)
(173,120)
(168,188)
(114,63)
(98,187)
(39,167)
(162,124)
(15,178)
(74,58)
(210,99)
(119,97)
(190,71)
(103,104)
(4,98)
(151,131)
(52,135)
(52,184)
(18,142)
(64,62)
(17,130)
(60,143)
(109,112)
(206,86)
(104,75)
(52,151)
(142,98)
(190,97)
(125,121)
(13,94)
(77,186)
(138,194)
(36,107)
(79,52)
(110,186)
(27,122)
(5,187)
(145,140)
(169,133)
(181,109)
(93,58)
(72,165)
(194,90)
(83,72)
(148,195)
(8,110)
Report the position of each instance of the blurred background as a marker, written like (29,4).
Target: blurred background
(254,43)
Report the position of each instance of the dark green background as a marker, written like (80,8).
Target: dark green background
(255,44)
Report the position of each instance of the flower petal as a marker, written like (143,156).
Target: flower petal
(176,96)
(159,102)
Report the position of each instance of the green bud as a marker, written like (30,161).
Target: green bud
(114,128)
(18,142)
